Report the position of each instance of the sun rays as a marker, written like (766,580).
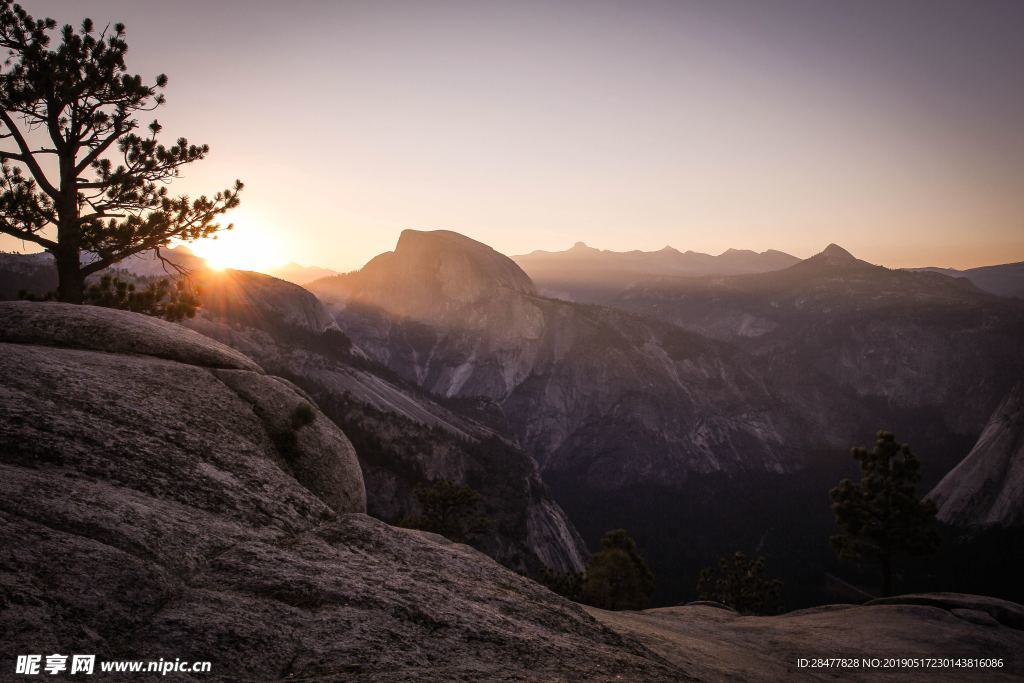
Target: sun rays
(250,245)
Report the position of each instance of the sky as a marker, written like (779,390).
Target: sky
(891,128)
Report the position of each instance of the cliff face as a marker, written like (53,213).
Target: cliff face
(613,396)
(987,488)
(444,280)
(149,508)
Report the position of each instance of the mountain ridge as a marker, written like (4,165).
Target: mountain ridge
(573,274)
(1005,279)
(694,388)
(582,247)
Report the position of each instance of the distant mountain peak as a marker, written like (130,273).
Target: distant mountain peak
(836,254)
(583,248)
(832,257)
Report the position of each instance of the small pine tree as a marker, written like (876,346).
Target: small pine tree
(617,577)
(449,509)
(739,583)
(882,516)
(163,298)
(287,440)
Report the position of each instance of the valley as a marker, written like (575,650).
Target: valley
(689,390)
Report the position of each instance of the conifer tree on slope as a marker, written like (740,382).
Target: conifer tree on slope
(882,516)
(77,174)
(617,577)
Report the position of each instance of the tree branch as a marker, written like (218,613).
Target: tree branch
(165,262)
(27,158)
(26,235)
(101,263)
(100,149)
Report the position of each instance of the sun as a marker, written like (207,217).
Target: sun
(250,245)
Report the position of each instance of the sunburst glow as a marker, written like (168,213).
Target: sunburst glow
(251,245)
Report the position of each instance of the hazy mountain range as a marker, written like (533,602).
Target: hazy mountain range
(459,319)
(299,274)
(583,273)
(680,392)
(704,412)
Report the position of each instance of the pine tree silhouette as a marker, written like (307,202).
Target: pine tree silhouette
(81,97)
(882,516)
(739,583)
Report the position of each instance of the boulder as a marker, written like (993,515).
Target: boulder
(307,443)
(113,331)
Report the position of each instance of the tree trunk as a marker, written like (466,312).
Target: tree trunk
(886,563)
(70,283)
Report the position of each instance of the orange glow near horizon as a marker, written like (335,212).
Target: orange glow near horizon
(250,245)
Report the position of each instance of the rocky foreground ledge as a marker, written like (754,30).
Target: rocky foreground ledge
(151,508)
(162,497)
(713,643)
